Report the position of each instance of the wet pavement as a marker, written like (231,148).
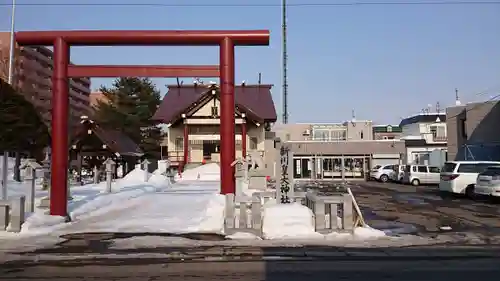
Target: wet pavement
(356,267)
(394,208)
(421,210)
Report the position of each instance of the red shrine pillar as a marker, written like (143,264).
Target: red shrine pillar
(60,110)
(227,124)
(186,144)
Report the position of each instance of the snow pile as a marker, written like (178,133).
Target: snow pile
(162,167)
(243,236)
(359,234)
(208,172)
(138,176)
(295,221)
(288,221)
(41,223)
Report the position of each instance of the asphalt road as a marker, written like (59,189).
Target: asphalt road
(382,204)
(374,270)
(423,208)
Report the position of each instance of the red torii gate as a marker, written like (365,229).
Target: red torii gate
(62,40)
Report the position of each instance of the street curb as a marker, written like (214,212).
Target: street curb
(347,255)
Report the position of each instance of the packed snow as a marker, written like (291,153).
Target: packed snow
(133,206)
(192,204)
(208,172)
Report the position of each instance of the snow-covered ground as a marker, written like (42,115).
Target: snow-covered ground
(133,206)
(191,205)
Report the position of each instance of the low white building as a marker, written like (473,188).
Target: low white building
(425,138)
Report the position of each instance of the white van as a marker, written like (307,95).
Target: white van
(421,174)
(459,177)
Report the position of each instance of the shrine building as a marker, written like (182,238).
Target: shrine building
(192,115)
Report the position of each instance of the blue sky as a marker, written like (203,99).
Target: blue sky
(383,61)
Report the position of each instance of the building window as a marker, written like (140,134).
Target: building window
(253,143)
(164,152)
(321,134)
(179,144)
(338,135)
(438,132)
(328,134)
(389,129)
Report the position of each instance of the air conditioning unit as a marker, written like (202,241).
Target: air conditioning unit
(306,132)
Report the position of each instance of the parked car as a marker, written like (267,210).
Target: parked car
(421,174)
(488,182)
(382,173)
(399,172)
(460,177)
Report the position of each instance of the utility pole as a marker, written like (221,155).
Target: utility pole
(285,60)
(5,166)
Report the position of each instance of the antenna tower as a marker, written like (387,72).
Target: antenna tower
(457,98)
(285,59)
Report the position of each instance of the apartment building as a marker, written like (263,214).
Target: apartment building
(338,150)
(425,138)
(32,78)
(472,131)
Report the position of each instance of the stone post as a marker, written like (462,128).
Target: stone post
(109,173)
(145,165)
(31,166)
(96,175)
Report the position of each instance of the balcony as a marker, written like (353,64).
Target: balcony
(176,157)
(439,138)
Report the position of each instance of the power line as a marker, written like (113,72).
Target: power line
(268,5)
(476,106)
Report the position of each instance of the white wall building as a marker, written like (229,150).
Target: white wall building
(425,138)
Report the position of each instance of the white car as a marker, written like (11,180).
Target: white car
(382,173)
(399,172)
(488,182)
(460,177)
